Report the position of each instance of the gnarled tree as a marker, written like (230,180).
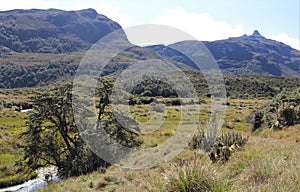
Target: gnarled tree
(52,137)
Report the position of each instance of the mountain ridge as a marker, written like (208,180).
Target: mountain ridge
(40,46)
(244,55)
(52,30)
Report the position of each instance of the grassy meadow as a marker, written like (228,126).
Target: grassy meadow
(12,124)
(269,161)
(260,166)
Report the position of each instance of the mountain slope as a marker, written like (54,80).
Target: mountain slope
(252,54)
(37,69)
(39,47)
(52,30)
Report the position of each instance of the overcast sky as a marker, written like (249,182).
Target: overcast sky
(204,19)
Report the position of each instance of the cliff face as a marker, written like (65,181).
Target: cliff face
(52,30)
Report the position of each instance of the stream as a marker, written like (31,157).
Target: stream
(45,175)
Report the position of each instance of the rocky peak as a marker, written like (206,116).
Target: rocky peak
(256,34)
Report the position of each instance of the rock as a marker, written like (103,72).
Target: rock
(257,34)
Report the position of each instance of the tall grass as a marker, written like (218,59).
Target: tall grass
(193,176)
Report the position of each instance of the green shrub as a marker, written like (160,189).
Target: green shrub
(168,132)
(283,111)
(257,121)
(289,116)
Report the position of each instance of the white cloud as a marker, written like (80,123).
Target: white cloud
(201,26)
(114,13)
(285,38)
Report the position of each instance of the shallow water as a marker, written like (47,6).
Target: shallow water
(35,184)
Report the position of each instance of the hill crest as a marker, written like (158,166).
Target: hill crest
(52,30)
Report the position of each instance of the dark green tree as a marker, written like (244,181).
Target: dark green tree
(52,137)
(107,118)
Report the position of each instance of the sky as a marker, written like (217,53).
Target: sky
(206,20)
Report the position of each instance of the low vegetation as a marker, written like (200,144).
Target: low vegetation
(258,167)
(245,163)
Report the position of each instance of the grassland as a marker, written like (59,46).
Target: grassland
(269,162)
(12,124)
(259,167)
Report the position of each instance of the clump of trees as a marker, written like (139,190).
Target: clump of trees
(52,137)
(16,76)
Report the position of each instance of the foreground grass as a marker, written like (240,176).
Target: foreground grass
(265,164)
(269,162)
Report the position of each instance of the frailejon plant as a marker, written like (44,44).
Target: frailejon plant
(198,139)
(225,145)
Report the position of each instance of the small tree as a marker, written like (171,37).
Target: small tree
(52,137)
(125,136)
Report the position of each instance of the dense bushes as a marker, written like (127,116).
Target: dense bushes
(282,111)
(242,87)
(31,70)
(154,88)
(17,76)
(247,86)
